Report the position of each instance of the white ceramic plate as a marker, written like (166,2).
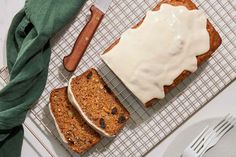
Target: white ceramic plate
(226,147)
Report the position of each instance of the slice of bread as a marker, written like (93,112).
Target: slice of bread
(97,103)
(70,125)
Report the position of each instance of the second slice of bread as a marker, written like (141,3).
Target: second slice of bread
(70,125)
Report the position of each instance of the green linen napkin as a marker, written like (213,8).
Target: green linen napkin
(28,56)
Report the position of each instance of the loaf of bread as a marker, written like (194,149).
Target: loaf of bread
(96,103)
(214,38)
(70,125)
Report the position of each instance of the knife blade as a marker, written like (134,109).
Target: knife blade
(103,5)
(98,10)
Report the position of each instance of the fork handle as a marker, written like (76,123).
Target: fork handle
(71,61)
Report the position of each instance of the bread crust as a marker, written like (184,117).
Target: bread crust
(215,42)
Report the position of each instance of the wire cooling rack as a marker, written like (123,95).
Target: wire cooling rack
(146,127)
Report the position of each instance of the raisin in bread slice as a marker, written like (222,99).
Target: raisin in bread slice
(97,104)
(70,125)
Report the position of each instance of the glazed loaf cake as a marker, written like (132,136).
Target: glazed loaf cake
(96,103)
(70,125)
(214,43)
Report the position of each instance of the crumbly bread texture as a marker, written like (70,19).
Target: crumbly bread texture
(71,126)
(97,104)
(215,42)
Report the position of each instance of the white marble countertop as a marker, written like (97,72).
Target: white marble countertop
(221,105)
(8,9)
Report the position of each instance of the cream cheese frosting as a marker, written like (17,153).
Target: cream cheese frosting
(153,55)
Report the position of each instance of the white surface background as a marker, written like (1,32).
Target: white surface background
(221,105)
(8,8)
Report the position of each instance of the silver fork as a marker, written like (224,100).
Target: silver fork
(198,143)
(219,131)
(209,137)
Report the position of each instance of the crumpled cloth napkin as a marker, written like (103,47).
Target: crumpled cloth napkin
(28,56)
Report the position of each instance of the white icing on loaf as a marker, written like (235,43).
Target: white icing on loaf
(159,50)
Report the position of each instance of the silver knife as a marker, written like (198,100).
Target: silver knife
(98,10)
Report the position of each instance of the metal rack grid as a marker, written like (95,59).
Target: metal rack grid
(146,127)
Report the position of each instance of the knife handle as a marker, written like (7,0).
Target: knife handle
(71,61)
